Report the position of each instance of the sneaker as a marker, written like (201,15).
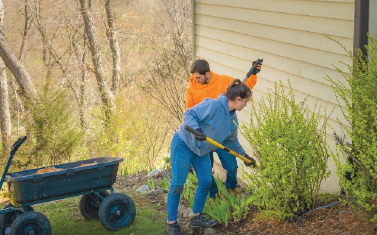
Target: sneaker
(200,221)
(173,229)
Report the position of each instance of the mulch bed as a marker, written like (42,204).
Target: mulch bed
(339,219)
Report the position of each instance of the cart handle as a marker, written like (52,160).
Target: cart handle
(13,151)
(17,144)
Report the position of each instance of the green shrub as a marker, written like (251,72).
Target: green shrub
(289,143)
(358,175)
(55,128)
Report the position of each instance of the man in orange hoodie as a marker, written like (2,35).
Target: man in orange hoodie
(206,84)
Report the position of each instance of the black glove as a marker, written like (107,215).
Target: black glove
(200,137)
(258,68)
(252,163)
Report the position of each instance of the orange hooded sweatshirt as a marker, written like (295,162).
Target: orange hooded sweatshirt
(197,92)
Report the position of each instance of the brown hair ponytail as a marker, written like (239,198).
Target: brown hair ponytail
(237,88)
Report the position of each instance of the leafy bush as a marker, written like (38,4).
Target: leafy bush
(289,143)
(358,175)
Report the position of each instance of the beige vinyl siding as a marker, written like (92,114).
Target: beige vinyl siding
(292,38)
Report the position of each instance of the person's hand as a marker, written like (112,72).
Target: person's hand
(258,68)
(252,163)
(200,137)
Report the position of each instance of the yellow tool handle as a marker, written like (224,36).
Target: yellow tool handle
(211,141)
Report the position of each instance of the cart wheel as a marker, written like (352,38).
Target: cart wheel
(117,211)
(31,223)
(7,219)
(88,206)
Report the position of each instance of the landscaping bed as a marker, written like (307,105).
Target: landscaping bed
(338,219)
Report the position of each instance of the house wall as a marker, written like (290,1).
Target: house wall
(373,18)
(289,36)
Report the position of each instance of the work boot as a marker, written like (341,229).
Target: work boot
(236,191)
(200,221)
(173,229)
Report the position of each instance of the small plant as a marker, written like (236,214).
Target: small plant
(189,189)
(290,145)
(124,172)
(225,207)
(151,184)
(166,165)
(218,210)
(165,183)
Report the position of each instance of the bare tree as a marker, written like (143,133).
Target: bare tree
(106,94)
(114,45)
(79,95)
(27,25)
(169,66)
(6,125)
(28,91)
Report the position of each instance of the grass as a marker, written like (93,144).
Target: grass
(65,217)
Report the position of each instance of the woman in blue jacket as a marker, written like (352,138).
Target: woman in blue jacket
(216,119)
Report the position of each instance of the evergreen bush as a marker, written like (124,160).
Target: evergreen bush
(289,144)
(55,130)
(358,175)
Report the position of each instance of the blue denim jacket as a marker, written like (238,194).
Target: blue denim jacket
(213,117)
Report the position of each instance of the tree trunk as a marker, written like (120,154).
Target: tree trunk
(114,45)
(6,125)
(106,94)
(26,31)
(5,122)
(28,91)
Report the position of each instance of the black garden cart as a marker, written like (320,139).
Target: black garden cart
(92,178)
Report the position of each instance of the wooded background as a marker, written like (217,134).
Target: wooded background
(87,78)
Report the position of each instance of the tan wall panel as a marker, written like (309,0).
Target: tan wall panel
(310,87)
(305,54)
(328,26)
(307,86)
(299,68)
(309,8)
(295,37)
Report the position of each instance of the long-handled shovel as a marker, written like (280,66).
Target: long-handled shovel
(248,160)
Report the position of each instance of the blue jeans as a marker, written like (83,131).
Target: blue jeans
(181,157)
(229,163)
